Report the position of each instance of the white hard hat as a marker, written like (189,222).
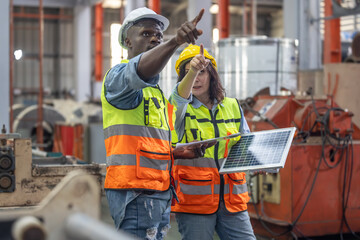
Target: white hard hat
(134,16)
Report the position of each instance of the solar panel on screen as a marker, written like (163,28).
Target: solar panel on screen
(263,150)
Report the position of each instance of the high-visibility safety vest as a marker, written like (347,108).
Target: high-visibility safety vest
(198,184)
(138,142)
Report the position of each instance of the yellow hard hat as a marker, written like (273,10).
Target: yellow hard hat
(190,52)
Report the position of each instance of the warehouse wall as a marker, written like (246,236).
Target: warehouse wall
(58,58)
(58,54)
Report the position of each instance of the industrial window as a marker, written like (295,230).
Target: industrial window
(117,52)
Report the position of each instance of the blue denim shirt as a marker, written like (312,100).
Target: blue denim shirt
(181,105)
(124,90)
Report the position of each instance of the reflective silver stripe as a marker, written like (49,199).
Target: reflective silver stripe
(195,190)
(217,189)
(153,163)
(196,162)
(133,130)
(221,161)
(121,159)
(237,189)
(199,190)
(128,159)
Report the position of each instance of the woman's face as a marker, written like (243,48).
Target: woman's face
(201,87)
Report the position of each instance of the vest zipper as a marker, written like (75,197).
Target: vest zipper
(170,139)
(216,151)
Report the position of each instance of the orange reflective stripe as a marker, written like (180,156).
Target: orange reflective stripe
(125,144)
(170,114)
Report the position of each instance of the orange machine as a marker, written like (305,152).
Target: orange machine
(317,193)
(69,139)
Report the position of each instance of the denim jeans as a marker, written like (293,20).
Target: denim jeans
(229,226)
(146,216)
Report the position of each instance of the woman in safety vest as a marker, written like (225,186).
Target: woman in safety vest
(208,200)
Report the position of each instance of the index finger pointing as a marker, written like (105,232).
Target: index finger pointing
(198,17)
(202,50)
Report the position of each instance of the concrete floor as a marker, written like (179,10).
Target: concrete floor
(174,234)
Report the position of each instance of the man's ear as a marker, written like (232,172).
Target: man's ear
(128,43)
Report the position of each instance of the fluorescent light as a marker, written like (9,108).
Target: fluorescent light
(111,4)
(214,9)
(215,35)
(18,54)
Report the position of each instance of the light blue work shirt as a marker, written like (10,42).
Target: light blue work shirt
(181,106)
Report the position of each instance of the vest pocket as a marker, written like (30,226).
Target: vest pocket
(153,112)
(195,188)
(238,192)
(193,134)
(152,162)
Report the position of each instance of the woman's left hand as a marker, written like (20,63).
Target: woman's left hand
(199,62)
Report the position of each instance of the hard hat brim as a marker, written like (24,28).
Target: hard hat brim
(188,53)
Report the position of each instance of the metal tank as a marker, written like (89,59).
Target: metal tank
(247,65)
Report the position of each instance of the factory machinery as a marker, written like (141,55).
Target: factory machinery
(317,193)
(49,197)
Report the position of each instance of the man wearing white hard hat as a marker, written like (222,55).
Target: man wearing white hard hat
(139,126)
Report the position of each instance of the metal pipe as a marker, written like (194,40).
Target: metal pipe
(332,43)
(30,91)
(46,16)
(57,59)
(244,18)
(11,75)
(99,22)
(122,16)
(122,11)
(253,17)
(39,129)
(29,227)
(223,19)
(155,6)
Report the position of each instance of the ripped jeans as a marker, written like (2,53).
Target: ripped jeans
(147,216)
